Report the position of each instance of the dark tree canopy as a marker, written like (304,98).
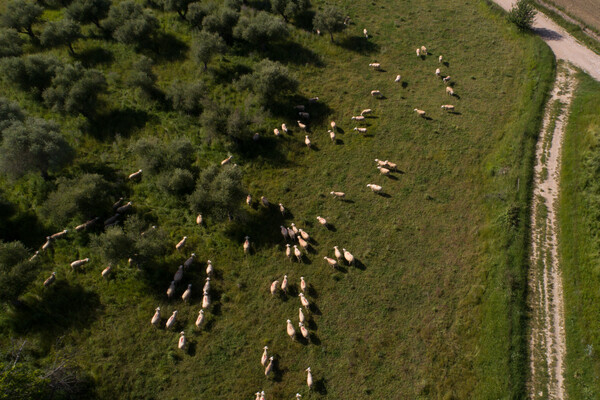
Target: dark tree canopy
(10,113)
(270,81)
(155,156)
(330,20)
(186,97)
(75,90)
(61,33)
(289,9)
(36,145)
(260,27)
(177,182)
(219,192)
(522,14)
(130,23)
(195,14)
(21,15)
(179,6)
(221,21)
(141,76)
(32,73)
(113,245)
(16,271)
(10,43)
(205,46)
(89,11)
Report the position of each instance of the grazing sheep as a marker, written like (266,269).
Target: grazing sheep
(190,261)
(298,253)
(338,195)
(375,93)
(303,243)
(171,320)
(200,319)
(313,100)
(374,188)
(58,235)
(301,316)
(420,112)
(117,203)
(284,284)
(79,263)
(274,287)
(284,232)
(361,130)
(438,72)
(135,175)
(302,284)
(391,166)
(256,137)
(50,280)
(295,229)
(265,356)
(450,91)
(333,125)
(86,224)
(440,58)
(227,160)
(249,200)
(331,135)
(303,330)
(284,128)
(151,228)
(383,171)
(375,65)
(156,317)
(209,268)
(290,330)
(299,107)
(347,20)
(398,78)
(301,125)
(337,253)
(269,367)
(199,219)
(304,301)
(112,220)
(298,395)
(125,208)
(348,256)
(446,79)
(181,243)
(282,209)
(365,33)
(205,300)
(47,244)
(171,289)
(187,294)
(106,272)
(307,141)
(34,256)
(358,118)
(447,107)
(331,262)
(276,132)
(322,220)
(366,111)
(262,395)
(304,235)
(178,274)
(264,202)
(380,162)
(181,344)
(292,233)
(288,251)
(247,245)
(304,115)
(418,52)
(424,50)
(309,378)
(206,287)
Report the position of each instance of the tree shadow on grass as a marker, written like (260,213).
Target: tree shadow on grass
(293,53)
(93,56)
(267,149)
(321,386)
(358,44)
(121,122)
(229,72)
(166,47)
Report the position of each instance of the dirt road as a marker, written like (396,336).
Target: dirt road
(564,46)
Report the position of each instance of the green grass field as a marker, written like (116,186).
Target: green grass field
(435,308)
(578,212)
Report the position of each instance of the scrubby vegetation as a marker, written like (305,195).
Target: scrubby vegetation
(432,309)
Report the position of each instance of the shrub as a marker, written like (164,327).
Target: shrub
(205,46)
(289,8)
(16,271)
(221,21)
(330,20)
(21,15)
(154,156)
(9,114)
(61,33)
(113,245)
(179,6)
(259,28)
(270,81)
(522,14)
(130,23)
(177,182)
(196,13)
(32,73)
(10,43)
(88,11)
(237,125)
(142,76)
(186,97)
(219,192)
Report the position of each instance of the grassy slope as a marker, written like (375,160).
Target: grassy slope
(579,244)
(417,321)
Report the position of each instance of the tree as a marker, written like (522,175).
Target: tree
(75,90)
(522,14)
(16,271)
(329,20)
(155,156)
(195,14)
(221,21)
(130,23)
(186,97)
(219,192)
(141,76)
(179,6)
(21,15)
(205,46)
(35,145)
(32,73)
(270,81)
(10,113)
(177,182)
(89,11)
(61,33)
(10,43)
(259,28)
(238,125)
(289,8)
(113,245)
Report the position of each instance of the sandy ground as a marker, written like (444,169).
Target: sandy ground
(564,46)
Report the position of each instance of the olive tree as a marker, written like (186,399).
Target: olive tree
(36,145)
(219,192)
(289,8)
(259,28)
(32,73)
(221,21)
(331,20)
(522,14)
(10,43)
(195,14)
(179,6)
(270,81)
(10,113)
(130,23)
(186,97)
(205,46)
(21,15)
(89,11)
(16,271)
(61,33)
(113,245)
(155,156)
(142,77)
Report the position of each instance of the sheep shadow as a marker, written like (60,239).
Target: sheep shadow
(339,141)
(314,309)
(454,112)
(358,44)
(359,265)
(314,339)
(383,194)
(381,97)
(305,260)
(341,268)
(392,177)
(340,130)
(330,227)
(314,147)
(311,250)
(427,118)
(320,386)
(191,348)
(446,63)
(310,290)
(347,201)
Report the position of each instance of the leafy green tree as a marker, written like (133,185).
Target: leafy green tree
(141,76)
(75,90)
(219,192)
(61,33)
(221,21)
(329,20)
(130,23)
(522,14)
(270,81)
(10,43)
(83,197)
(205,46)
(16,271)
(177,182)
(36,145)
(259,28)
(21,15)
(20,381)
(179,6)
(289,9)
(238,125)
(10,113)
(186,97)
(32,73)
(195,14)
(113,245)
(89,11)
(155,156)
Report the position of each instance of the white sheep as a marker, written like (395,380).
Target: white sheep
(358,118)
(171,289)
(366,111)
(333,125)
(398,78)
(247,245)
(290,330)
(301,316)
(375,65)
(420,112)
(34,256)
(348,256)
(190,261)
(322,220)
(374,188)
(284,128)
(361,130)
(274,287)
(292,233)
(331,135)
(79,263)
(135,175)
(390,165)
(313,100)
(376,93)
(187,294)
(380,162)
(200,319)
(265,356)
(303,243)
(307,141)
(171,320)
(288,251)
(337,253)
(304,235)
(309,378)
(302,284)
(298,396)
(294,228)
(438,72)
(284,284)
(440,58)
(181,344)
(50,280)
(156,317)
(206,287)
(209,268)
(284,232)
(199,219)
(449,91)
(304,301)
(418,52)
(447,107)
(276,132)
(262,395)
(249,200)
(227,160)
(269,367)
(446,79)
(125,208)
(301,125)
(86,224)
(424,50)
(106,272)
(331,262)
(265,202)
(383,171)
(178,274)
(281,209)
(181,243)
(47,244)
(303,330)
(205,300)
(365,33)
(298,253)
(60,234)
(338,195)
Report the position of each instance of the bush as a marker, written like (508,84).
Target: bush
(238,125)
(142,76)
(205,46)
(88,11)
(177,182)
(221,21)
(130,23)
(113,245)
(195,15)
(61,33)
(219,192)
(259,28)
(179,6)
(10,113)
(32,73)
(10,43)
(21,15)
(154,156)
(522,14)
(270,81)
(16,271)
(214,120)
(289,8)
(186,97)
(330,20)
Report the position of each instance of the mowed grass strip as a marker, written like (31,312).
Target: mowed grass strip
(436,307)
